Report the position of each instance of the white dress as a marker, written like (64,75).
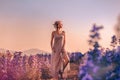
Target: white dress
(59,55)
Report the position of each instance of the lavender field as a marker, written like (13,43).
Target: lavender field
(97,64)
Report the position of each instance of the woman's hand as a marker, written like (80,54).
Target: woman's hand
(52,36)
(53,49)
(63,47)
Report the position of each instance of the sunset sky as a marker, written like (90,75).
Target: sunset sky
(26,24)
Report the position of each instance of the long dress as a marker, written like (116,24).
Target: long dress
(59,55)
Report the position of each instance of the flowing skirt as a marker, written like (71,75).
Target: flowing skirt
(59,62)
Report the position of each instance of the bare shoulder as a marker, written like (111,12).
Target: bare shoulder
(53,32)
(63,32)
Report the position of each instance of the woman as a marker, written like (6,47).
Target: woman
(59,58)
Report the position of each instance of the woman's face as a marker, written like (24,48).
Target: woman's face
(59,26)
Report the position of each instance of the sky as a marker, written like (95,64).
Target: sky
(26,24)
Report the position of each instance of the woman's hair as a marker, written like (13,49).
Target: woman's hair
(56,23)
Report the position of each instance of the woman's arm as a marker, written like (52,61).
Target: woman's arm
(52,36)
(64,41)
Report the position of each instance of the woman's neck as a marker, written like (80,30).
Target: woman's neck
(59,31)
